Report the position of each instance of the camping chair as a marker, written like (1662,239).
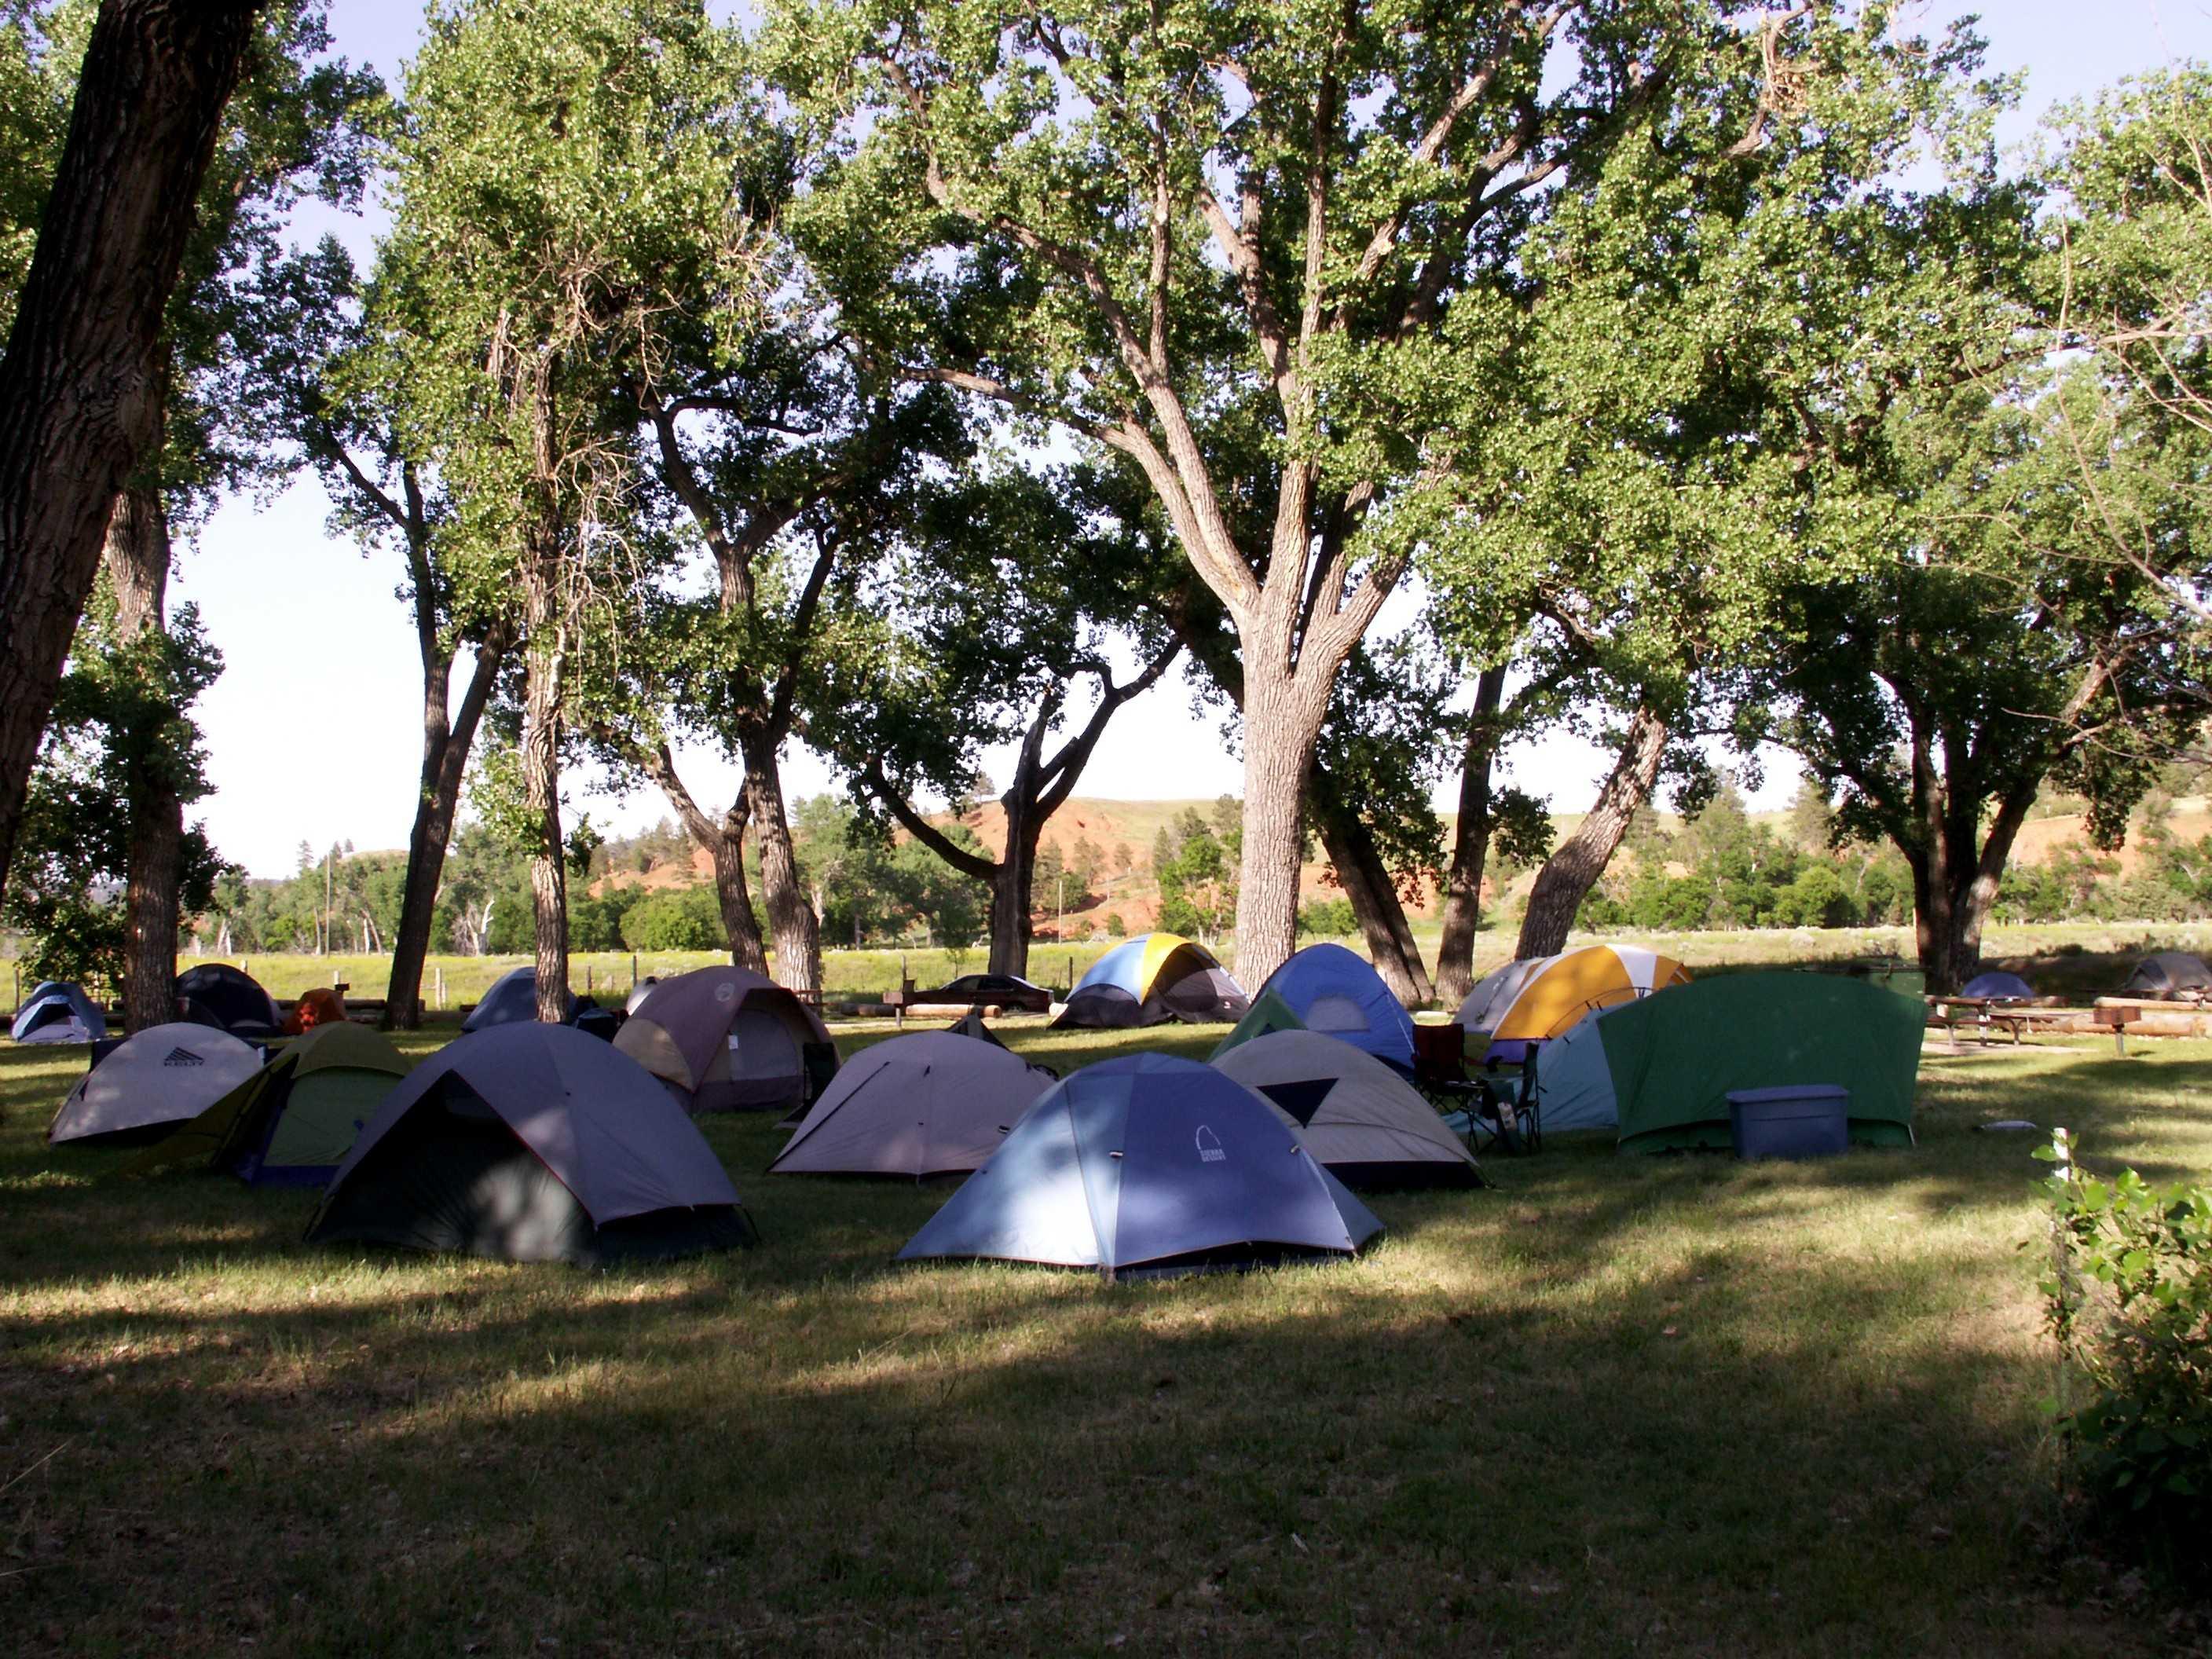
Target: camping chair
(1493,1104)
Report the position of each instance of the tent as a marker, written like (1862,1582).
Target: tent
(1151,979)
(928,1103)
(1999,987)
(1268,1012)
(291,1122)
(970,1024)
(1325,987)
(532,1143)
(727,1039)
(57,1010)
(1524,1004)
(513,998)
(2169,975)
(164,1075)
(1150,1164)
(231,999)
(1660,1070)
(1365,1124)
(639,992)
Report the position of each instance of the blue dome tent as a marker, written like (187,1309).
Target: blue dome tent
(1148,1164)
(1337,994)
(1999,987)
(1154,978)
(57,1010)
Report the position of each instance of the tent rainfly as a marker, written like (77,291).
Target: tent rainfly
(1659,1071)
(58,1010)
(230,998)
(1363,1122)
(292,1122)
(1148,1164)
(532,1143)
(164,1075)
(1150,980)
(727,1039)
(1526,1004)
(1324,987)
(928,1103)
(1998,987)
(2169,976)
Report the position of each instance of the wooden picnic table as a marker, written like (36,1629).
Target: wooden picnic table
(1950,1013)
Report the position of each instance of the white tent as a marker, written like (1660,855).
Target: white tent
(166,1074)
(1360,1120)
(932,1103)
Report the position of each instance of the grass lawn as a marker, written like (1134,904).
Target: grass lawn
(1614,1406)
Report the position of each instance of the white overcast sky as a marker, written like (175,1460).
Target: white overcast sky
(305,620)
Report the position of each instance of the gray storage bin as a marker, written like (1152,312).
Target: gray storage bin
(1800,1120)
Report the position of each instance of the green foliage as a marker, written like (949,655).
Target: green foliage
(1115,928)
(1326,918)
(2129,1299)
(1199,881)
(683,919)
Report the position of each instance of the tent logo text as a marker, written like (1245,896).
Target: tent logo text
(1209,1147)
(183,1057)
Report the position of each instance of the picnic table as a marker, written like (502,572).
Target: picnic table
(1982,1013)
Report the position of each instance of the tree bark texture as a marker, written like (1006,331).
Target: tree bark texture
(1367,883)
(446,741)
(137,557)
(1573,869)
(1282,714)
(1955,881)
(724,841)
(1462,905)
(793,927)
(541,772)
(80,397)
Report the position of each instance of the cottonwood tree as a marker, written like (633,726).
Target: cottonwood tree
(1013,590)
(1187,233)
(80,396)
(553,159)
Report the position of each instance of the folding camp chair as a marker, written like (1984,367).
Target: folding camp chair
(1500,1111)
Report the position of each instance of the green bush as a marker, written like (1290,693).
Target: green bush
(2129,1298)
(683,919)
(1115,928)
(1326,918)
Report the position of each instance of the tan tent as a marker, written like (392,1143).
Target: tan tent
(725,1039)
(1361,1121)
(929,1103)
(166,1074)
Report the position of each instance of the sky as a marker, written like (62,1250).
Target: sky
(307,623)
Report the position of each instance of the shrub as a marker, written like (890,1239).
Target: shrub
(1115,928)
(2129,1298)
(683,919)
(1326,918)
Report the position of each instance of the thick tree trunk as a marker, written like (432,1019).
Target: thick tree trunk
(541,776)
(1462,905)
(80,398)
(446,741)
(1366,882)
(724,841)
(1014,876)
(137,558)
(791,923)
(1955,884)
(1572,870)
(1282,723)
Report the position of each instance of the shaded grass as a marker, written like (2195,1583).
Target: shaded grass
(1616,1404)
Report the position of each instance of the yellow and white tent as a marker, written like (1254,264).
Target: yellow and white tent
(1525,1003)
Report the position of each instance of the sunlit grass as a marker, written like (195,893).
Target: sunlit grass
(1614,1405)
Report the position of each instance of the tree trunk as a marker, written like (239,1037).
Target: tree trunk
(541,775)
(1366,882)
(137,556)
(80,397)
(1282,723)
(791,919)
(1462,905)
(1014,876)
(447,742)
(725,843)
(1954,885)
(1572,870)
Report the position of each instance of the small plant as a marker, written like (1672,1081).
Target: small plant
(2129,1298)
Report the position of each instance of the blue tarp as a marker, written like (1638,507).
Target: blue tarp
(1151,1163)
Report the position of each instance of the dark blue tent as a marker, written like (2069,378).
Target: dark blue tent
(229,999)
(1151,1165)
(57,1010)
(1999,987)
(514,998)
(1336,993)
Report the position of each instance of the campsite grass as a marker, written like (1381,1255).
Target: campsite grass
(1614,1405)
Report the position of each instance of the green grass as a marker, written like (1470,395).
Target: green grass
(1612,1405)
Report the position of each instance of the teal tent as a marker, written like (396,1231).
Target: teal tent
(1660,1069)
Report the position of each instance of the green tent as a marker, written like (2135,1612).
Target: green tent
(294,1121)
(1661,1068)
(1267,1013)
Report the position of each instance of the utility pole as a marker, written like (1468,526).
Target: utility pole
(326,932)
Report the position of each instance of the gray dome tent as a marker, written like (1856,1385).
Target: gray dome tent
(532,1143)
(57,1010)
(727,1039)
(1996,986)
(1150,1164)
(162,1076)
(2169,976)
(929,1103)
(1363,1122)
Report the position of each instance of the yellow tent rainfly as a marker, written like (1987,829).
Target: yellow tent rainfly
(1524,1004)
